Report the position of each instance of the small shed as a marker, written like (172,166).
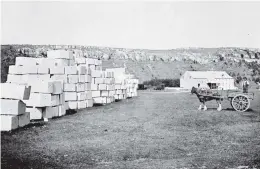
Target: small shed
(214,79)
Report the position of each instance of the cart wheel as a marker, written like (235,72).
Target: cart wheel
(240,103)
(231,104)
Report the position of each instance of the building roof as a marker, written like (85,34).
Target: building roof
(209,75)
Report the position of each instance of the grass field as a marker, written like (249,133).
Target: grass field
(154,130)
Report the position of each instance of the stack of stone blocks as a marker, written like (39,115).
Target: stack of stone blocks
(62,81)
(120,86)
(131,86)
(13,110)
(77,88)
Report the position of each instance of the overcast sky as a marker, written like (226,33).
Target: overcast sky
(150,25)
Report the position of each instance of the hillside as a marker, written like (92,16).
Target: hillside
(149,64)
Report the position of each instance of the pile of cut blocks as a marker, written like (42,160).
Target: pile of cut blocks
(13,110)
(43,88)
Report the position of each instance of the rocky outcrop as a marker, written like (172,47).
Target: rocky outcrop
(163,63)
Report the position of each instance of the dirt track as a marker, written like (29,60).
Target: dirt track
(155,130)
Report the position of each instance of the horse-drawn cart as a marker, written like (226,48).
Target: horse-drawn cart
(239,101)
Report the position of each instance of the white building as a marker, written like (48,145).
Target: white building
(214,79)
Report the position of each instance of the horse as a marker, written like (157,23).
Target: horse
(203,99)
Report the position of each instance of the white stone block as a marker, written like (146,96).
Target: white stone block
(60,54)
(30,69)
(62,98)
(81,78)
(9,122)
(98,62)
(71,70)
(81,70)
(70,96)
(89,103)
(109,100)
(82,104)
(50,62)
(23,119)
(88,78)
(104,93)
(81,96)
(30,78)
(121,96)
(20,70)
(55,100)
(119,91)
(57,87)
(107,80)
(92,67)
(57,70)
(12,107)
(98,68)
(41,69)
(99,80)
(73,105)
(90,61)
(62,78)
(15,91)
(62,110)
(88,95)
(56,111)
(99,100)
(88,86)
(41,87)
(102,87)
(39,100)
(72,62)
(35,113)
(92,80)
(116,97)
(96,93)
(80,60)
(73,78)
(88,71)
(110,87)
(49,112)
(70,87)
(80,87)
(62,62)
(111,93)
(25,61)
(103,74)
(94,86)
(66,106)
(18,79)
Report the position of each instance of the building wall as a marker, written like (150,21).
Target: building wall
(188,83)
(226,84)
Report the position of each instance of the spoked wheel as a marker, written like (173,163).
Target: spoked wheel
(240,103)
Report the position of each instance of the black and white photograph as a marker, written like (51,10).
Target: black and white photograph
(130,84)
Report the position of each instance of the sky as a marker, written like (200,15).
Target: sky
(143,25)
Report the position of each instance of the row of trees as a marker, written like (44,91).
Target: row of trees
(165,82)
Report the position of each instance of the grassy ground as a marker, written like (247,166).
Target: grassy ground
(154,130)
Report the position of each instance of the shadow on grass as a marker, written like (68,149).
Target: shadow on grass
(70,112)
(14,162)
(32,124)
